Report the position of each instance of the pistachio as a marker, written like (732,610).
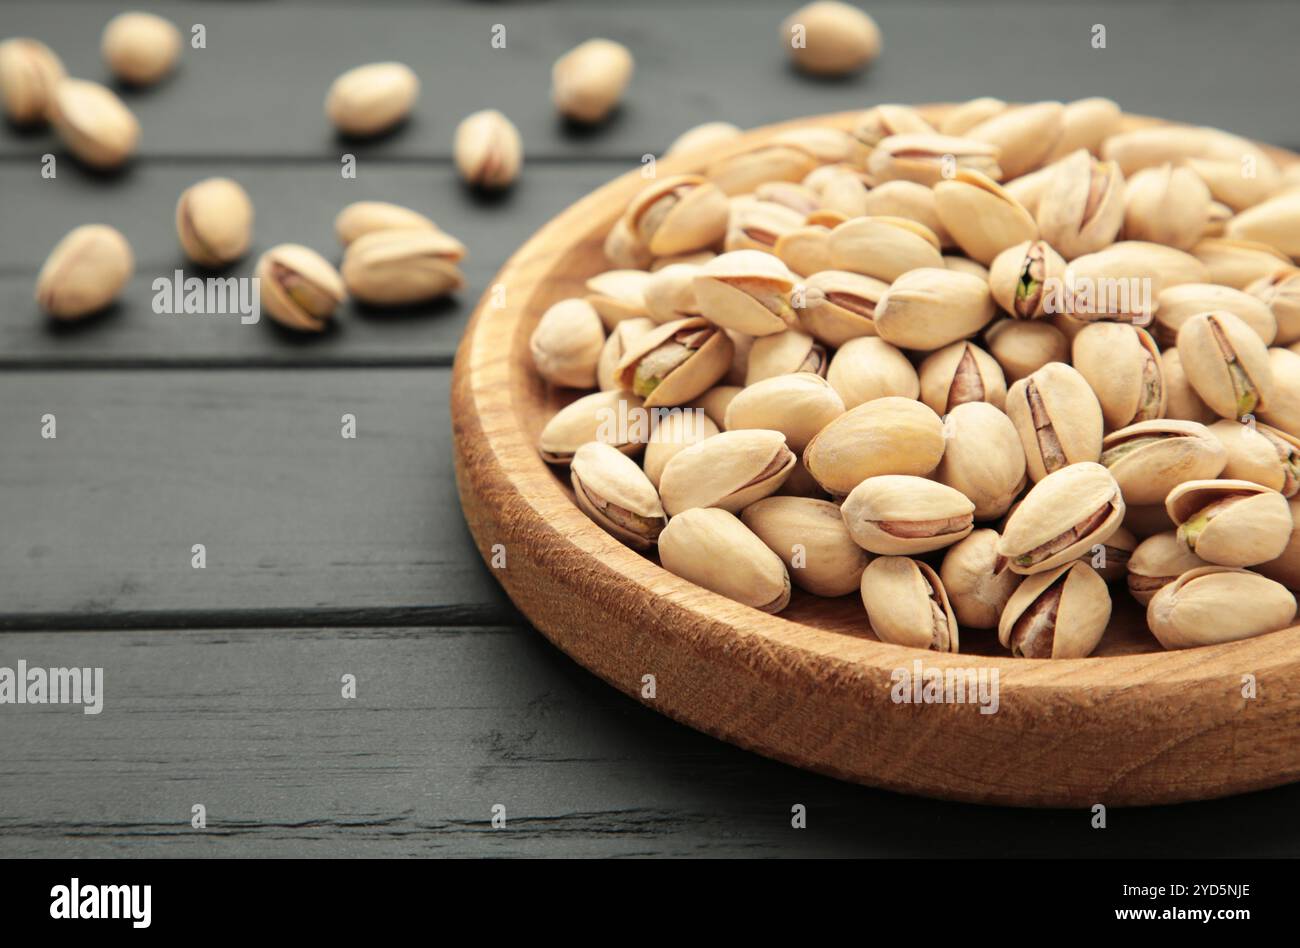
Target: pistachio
(966,265)
(797,405)
(674,430)
(888,435)
(613,491)
(1165,144)
(1275,222)
(1065,514)
(1286,568)
(372,99)
(960,119)
(1226,363)
(1166,205)
(828,38)
(868,368)
(1216,221)
(713,549)
(758,225)
(715,402)
(730,470)
(1177,304)
(1021,278)
(810,537)
(1283,409)
(748,291)
(805,250)
(982,217)
(1024,135)
(1237,263)
(1261,454)
(1086,123)
(1181,400)
(1022,348)
(1122,364)
(1212,604)
(1058,417)
(907,605)
(1151,458)
(883,247)
(927,159)
(300,288)
(669,293)
(675,362)
(893,514)
(401,267)
(882,121)
(621,338)
(1081,207)
(617,295)
(93,122)
(365,217)
(839,306)
(140,48)
(700,137)
(1028,188)
(1058,613)
(796,197)
(624,249)
(680,214)
(1230,522)
(827,144)
(29,71)
(593,417)
(1280,292)
(742,172)
(488,150)
(958,374)
(837,188)
(977,590)
(588,81)
(567,343)
(1156,562)
(783,353)
(214,221)
(84,272)
(982,458)
(930,307)
(1123,282)
(908,200)
(1228,185)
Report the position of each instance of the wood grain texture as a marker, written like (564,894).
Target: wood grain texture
(1117,728)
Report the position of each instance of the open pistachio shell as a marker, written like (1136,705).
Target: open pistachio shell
(983,218)
(678,215)
(669,294)
(758,225)
(401,267)
(926,158)
(909,200)
(617,295)
(982,458)
(1279,292)
(889,435)
(612,417)
(713,549)
(881,121)
(1229,522)
(1166,205)
(1227,364)
(907,605)
(1156,562)
(1122,364)
(1022,277)
(748,291)
(1062,516)
(839,306)
(868,368)
(623,336)
(300,288)
(782,354)
(1110,558)
(613,491)
(810,537)
(977,590)
(1081,207)
(1151,458)
(1058,418)
(1214,604)
(960,373)
(675,362)
(893,514)
(730,470)
(1059,613)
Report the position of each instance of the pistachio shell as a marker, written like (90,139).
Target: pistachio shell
(958,374)
(567,343)
(834,39)
(365,217)
(669,294)
(401,267)
(883,247)
(488,150)
(372,99)
(1158,145)
(612,490)
(140,48)
(886,436)
(93,122)
(1122,364)
(1058,417)
(1279,292)
(759,225)
(617,295)
(907,605)
(1059,613)
(1226,363)
(713,549)
(1064,514)
(839,306)
(1282,410)
(782,354)
(1228,185)
(594,417)
(214,221)
(1230,522)
(1021,348)
(621,338)
(588,81)
(1181,400)
(1260,454)
(742,172)
(927,159)
(1237,263)
(84,272)
(701,137)
(1177,304)
(1286,568)
(1025,135)
(982,458)
(868,368)
(982,217)
(929,308)
(730,470)
(1150,458)
(1021,278)
(881,121)
(1110,559)
(797,405)
(675,362)
(624,249)
(748,291)
(1166,205)
(300,288)
(810,537)
(677,215)
(1156,562)
(961,118)
(715,402)
(977,590)
(894,514)
(1123,281)
(1212,604)
(805,250)
(1086,123)
(29,71)
(1081,207)
(674,430)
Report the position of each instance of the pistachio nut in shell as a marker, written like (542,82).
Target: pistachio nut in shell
(1150,458)
(1259,453)
(611,489)
(214,222)
(906,604)
(1081,208)
(839,305)
(488,150)
(1156,562)
(29,70)
(669,293)
(759,225)
(883,247)
(961,118)
(731,470)
(1166,205)
(93,122)
(1286,568)
(567,343)
(1230,186)
(1086,123)
(1021,347)
(1028,188)
(678,215)
(1227,364)
(901,514)
(889,435)
(976,589)
(958,374)
(782,354)
(365,217)
(84,272)
(748,291)
(828,38)
(1177,304)
(796,197)
(140,48)
(1280,293)
(624,249)
(371,99)
(805,250)
(1058,613)
(588,81)
(1160,144)
(930,307)
(1058,417)
(1181,400)
(1123,282)
(927,158)
(1237,263)
(798,405)
(715,402)
(1215,604)
(712,548)
(300,288)
(1021,278)
(1061,518)
(675,362)
(868,368)
(742,172)
(621,338)
(1025,135)
(827,144)
(402,267)
(1283,410)
(618,295)
(1230,523)
(882,121)
(810,537)
(610,417)
(1122,364)
(673,430)
(909,200)
(966,265)
(981,216)
(703,136)
(1275,222)
(982,458)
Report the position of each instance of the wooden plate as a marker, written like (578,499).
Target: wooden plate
(1130,725)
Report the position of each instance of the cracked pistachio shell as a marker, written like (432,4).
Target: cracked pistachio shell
(1230,522)
(1060,613)
(758,225)
(883,247)
(703,136)
(730,470)
(930,307)
(1021,278)
(748,291)
(882,121)
(901,514)
(214,221)
(1275,222)
(1181,400)
(1280,292)
(1166,205)
(84,272)
(1063,516)
(907,605)
(1177,304)
(1229,186)
(909,200)
(488,150)
(1283,411)
(744,171)
(805,250)
(960,119)
(977,590)
(810,537)
(981,216)
(372,99)
(140,48)
(713,549)
(982,458)
(621,338)
(795,197)
(1058,417)
(782,354)
(1156,562)
(1086,123)
(672,431)
(839,305)
(961,373)
(623,249)
(617,295)
(669,294)
(29,70)
(401,267)
(613,491)
(797,405)
(834,39)
(93,122)
(675,362)
(300,288)
(366,217)
(678,215)
(1151,458)
(1024,135)
(1081,207)
(1259,453)
(594,417)
(714,403)
(868,368)
(927,159)
(1122,364)
(1286,568)
(889,435)
(567,343)
(1237,263)
(588,81)
(1214,604)
(1227,364)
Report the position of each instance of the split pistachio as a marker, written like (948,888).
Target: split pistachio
(782,354)
(701,137)
(982,458)
(1226,363)
(758,225)
(730,470)
(928,308)
(742,172)
(839,306)
(588,81)
(677,215)
(1058,417)
(593,417)
(868,368)
(1059,613)
(140,48)
(882,121)
(1021,348)
(1024,135)
(84,272)
(488,150)
(372,99)
(960,119)
(748,291)
(713,549)
(1286,568)
(1214,604)
(1280,293)
(300,288)
(674,430)
(567,343)
(1065,514)
(907,605)
(1237,263)
(958,374)
(675,362)
(810,537)
(1156,562)
(29,71)
(214,221)
(1122,364)
(402,267)
(669,294)
(797,405)
(621,338)
(901,514)
(1230,522)
(977,589)
(1081,207)
(1177,304)
(1166,205)
(1259,453)
(982,217)
(883,247)
(613,491)
(617,295)
(366,217)
(1150,458)
(829,38)
(93,122)
(1086,123)
(927,158)
(1283,409)
(886,436)
(1021,278)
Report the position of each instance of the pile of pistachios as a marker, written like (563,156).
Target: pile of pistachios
(988,373)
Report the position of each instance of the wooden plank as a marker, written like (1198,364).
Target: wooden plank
(300,525)
(446,724)
(259,84)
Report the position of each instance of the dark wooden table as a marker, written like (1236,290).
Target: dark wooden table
(329,557)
